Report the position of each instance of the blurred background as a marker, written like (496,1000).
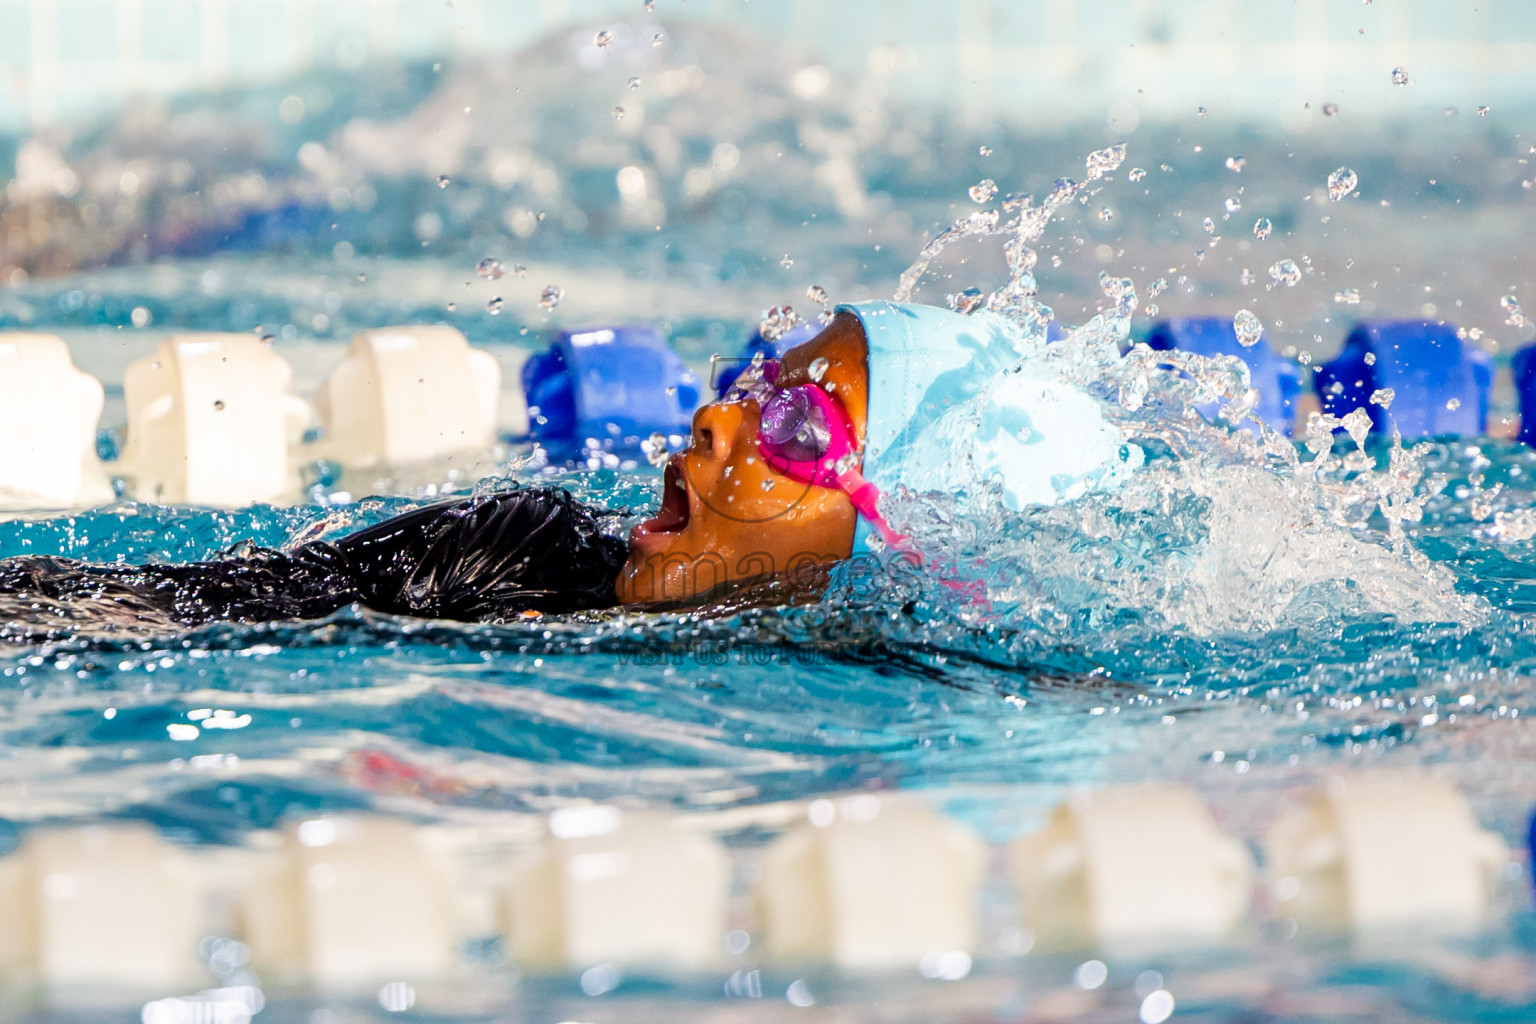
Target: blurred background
(307,167)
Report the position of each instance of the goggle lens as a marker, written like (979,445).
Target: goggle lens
(795,427)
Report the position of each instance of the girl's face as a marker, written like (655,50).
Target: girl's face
(725,513)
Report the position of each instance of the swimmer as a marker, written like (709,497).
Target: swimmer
(786,471)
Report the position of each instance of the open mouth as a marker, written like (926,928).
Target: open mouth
(673,516)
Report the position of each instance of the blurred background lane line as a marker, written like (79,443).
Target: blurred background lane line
(62,60)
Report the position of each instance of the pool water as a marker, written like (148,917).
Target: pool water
(994,711)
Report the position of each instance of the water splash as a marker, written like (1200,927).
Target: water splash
(983,191)
(1223,530)
(1026,224)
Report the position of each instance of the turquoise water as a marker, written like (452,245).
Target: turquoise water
(1241,617)
(995,715)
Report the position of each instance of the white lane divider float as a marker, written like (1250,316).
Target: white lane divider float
(49,412)
(348,902)
(866,883)
(100,908)
(1377,851)
(407,394)
(1131,867)
(615,889)
(873,883)
(211,422)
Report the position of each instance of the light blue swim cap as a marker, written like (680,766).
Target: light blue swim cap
(943,415)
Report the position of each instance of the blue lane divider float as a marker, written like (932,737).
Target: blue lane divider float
(609,383)
(1440,385)
(1530,835)
(1274,377)
(1524,370)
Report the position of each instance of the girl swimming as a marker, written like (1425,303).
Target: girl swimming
(787,470)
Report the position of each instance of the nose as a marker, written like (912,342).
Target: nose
(720,426)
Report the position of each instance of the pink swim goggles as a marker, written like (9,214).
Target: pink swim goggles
(805,434)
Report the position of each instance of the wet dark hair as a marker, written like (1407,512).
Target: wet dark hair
(485,559)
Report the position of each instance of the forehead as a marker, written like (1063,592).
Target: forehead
(843,346)
(840,343)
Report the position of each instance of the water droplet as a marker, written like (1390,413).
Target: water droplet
(1285,272)
(1370,359)
(1341,183)
(817,369)
(618,113)
(493,306)
(656,449)
(1450,111)
(775,322)
(361,278)
(518,270)
(1236,163)
(1383,397)
(656,39)
(786,261)
(768,483)
(550,297)
(443,181)
(1516,317)
(1329,109)
(650,5)
(489,268)
(1201,111)
(1453,404)
(966,301)
(1137,173)
(218,404)
(817,294)
(634,83)
(1106,214)
(985,151)
(983,191)
(1233,204)
(1104,161)
(1482,111)
(1246,277)
(1209,225)
(1347,297)
(1399,76)
(1151,309)
(1261,228)
(1249,328)
(603,38)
